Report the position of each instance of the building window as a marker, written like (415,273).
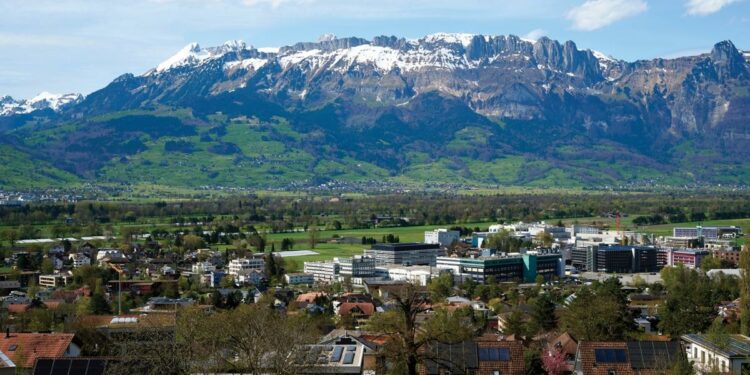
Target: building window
(495,372)
(611,372)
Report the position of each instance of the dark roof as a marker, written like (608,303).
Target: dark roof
(626,356)
(456,357)
(653,354)
(737,345)
(78,366)
(404,246)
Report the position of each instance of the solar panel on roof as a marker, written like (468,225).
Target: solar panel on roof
(349,358)
(60,367)
(96,367)
(610,355)
(78,366)
(43,367)
(337,354)
(351,348)
(494,354)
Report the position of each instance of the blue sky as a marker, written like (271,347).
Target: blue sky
(81,45)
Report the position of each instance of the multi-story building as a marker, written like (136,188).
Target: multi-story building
(243,265)
(299,278)
(404,253)
(730,256)
(53,281)
(357,266)
(584,258)
(625,259)
(707,232)
(690,258)
(203,267)
(323,271)
(442,237)
(522,268)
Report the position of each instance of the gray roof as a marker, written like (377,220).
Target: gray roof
(733,346)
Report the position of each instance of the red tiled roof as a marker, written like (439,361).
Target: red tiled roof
(30,346)
(17,308)
(367,308)
(309,297)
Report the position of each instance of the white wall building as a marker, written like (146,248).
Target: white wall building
(419,275)
(299,278)
(243,265)
(203,267)
(323,271)
(442,237)
(709,358)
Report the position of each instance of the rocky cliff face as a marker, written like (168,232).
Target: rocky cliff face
(497,76)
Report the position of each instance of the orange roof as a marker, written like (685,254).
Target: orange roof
(375,339)
(309,297)
(367,308)
(17,308)
(30,346)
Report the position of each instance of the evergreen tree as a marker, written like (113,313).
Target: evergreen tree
(543,313)
(99,304)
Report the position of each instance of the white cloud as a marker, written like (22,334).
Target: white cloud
(595,14)
(706,7)
(274,3)
(535,34)
(41,40)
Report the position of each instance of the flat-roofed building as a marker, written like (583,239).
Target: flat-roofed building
(520,268)
(404,253)
(323,271)
(442,237)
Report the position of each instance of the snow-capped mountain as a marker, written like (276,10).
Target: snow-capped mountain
(458,100)
(45,100)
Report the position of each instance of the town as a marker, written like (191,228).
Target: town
(511,297)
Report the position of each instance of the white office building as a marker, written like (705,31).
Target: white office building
(357,266)
(244,265)
(442,237)
(325,272)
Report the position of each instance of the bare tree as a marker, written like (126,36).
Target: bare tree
(408,342)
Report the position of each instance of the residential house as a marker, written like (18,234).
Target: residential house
(626,358)
(356,312)
(487,355)
(344,354)
(732,356)
(54,281)
(79,260)
(24,348)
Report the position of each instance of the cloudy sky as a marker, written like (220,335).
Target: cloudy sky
(81,45)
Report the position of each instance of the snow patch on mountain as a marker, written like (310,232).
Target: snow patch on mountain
(193,55)
(462,38)
(55,102)
(253,63)
(383,59)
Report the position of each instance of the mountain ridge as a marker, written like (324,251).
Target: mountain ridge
(448,107)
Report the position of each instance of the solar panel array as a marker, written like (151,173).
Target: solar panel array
(494,354)
(348,358)
(610,355)
(70,366)
(653,354)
